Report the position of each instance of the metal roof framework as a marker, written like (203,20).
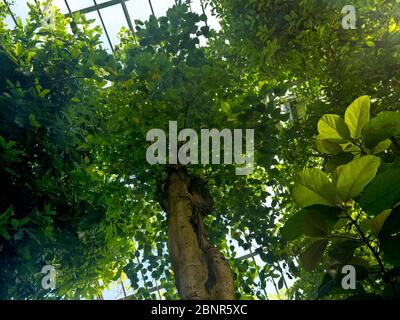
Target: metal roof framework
(97,7)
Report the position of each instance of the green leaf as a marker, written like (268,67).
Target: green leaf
(359,262)
(33,122)
(205,30)
(25,252)
(351,148)
(23,221)
(391,224)
(379,220)
(313,187)
(18,235)
(342,251)
(370,43)
(314,221)
(366,225)
(280,283)
(354,176)
(6,215)
(319,220)
(327,146)
(382,146)
(382,193)
(18,50)
(327,285)
(361,267)
(338,160)
(14,223)
(44,92)
(312,256)
(4,234)
(332,127)
(225,107)
(380,128)
(389,237)
(203,17)
(293,227)
(390,247)
(357,116)
(389,291)
(342,222)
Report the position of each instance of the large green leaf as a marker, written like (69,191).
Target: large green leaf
(327,285)
(293,227)
(342,251)
(332,127)
(389,237)
(319,220)
(357,261)
(382,193)
(357,116)
(313,187)
(327,146)
(390,247)
(391,224)
(379,220)
(382,127)
(382,146)
(338,160)
(311,257)
(354,176)
(6,215)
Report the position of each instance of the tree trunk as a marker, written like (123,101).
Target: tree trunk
(200,270)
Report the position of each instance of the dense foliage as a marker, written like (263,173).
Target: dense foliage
(55,207)
(299,51)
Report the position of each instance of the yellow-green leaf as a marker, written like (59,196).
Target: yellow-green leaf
(353,177)
(313,187)
(18,50)
(379,220)
(332,127)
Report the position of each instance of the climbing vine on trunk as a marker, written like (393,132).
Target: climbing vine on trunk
(200,270)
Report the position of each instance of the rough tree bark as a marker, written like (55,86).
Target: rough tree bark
(201,272)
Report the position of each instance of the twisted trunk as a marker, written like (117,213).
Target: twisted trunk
(200,270)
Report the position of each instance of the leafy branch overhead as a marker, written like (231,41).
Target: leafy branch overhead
(349,208)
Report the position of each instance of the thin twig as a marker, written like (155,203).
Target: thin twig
(373,251)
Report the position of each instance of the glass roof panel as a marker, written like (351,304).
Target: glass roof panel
(139,9)
(80,4)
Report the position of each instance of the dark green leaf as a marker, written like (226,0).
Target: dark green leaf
(342,250)
(391,224)
(311,257)
(382,127)
(338,160)
(313,221)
